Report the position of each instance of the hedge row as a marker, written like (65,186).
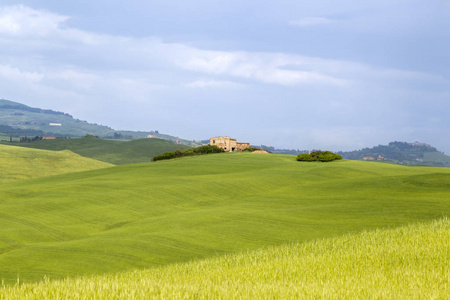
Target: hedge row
(319,156)
(189,152)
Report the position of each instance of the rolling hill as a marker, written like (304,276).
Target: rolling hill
(110,151)
(147,215)
(410,262)
(19,163)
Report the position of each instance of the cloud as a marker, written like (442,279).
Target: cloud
(18,75)
(22,24)
(262,67)
(211,83)
(20,20)
(311,21)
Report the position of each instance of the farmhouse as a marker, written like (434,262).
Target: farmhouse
(228,144)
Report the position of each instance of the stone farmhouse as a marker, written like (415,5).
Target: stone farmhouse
(228,144)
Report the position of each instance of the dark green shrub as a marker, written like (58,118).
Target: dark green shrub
(323,156)
(305,157)
(207,149)
(166,155)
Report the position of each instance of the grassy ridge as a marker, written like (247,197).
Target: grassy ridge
(144,215)
(114,152)
(19,163)
(411,262)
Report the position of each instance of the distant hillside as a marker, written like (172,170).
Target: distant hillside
(18,120)
(114,152)
(403,153)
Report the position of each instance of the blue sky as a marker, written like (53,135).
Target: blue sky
(334,74)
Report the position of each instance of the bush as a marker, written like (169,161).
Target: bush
(305,157)
(189,152)
(323,156)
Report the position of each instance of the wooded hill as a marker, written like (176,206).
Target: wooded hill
(403,153)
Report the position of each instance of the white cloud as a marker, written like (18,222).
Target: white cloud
(22,20)
(11,73)
(262,67)
(21,25)
(211,83)
(311,21)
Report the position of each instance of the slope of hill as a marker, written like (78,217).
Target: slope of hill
(24,118)
(20,163)
(110,151)
(403,153)
(17,119)
(405,263)
(146,215)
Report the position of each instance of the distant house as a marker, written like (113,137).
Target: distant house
(380,157)
(55,124)
(49,137)
(228,144)
(368,158)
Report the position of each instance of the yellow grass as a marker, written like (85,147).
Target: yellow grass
(410,262)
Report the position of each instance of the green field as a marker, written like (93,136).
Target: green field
(411,262)
(110,151)
(146,215)
(19,163)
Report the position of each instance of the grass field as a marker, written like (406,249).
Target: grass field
(19,163)
(411,262)
(146,215)
(110,151)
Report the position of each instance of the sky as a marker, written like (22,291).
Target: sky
(328,74)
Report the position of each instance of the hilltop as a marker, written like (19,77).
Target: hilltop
(140,216)
(18,120)
(111,151)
